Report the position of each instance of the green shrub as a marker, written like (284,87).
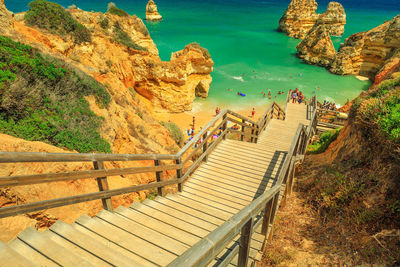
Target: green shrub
(41,99)
(174,130)
(54,18)
(112,9)
(326,139)
(122,37)
(104,23)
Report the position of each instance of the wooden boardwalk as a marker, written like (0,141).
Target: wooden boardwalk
(155,232)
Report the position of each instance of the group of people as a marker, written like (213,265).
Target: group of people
(297,96)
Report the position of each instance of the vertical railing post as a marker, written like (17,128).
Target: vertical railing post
(224,125)
(272,110)
(158,177)
(257,133)
(291,177)
(179,173)
(103,185)
(244,245)
(273,212)
(242,136)
(267,216)
(252,133)
(205,145)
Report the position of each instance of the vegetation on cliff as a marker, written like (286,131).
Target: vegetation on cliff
(54,18)
(322,144)
(113,9)
(355,185)
(120,36)
(42,99)
(175,131)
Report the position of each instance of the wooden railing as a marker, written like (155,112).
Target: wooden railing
(261,211)
(204,142)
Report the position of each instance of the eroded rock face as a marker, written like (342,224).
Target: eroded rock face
(334,18)
(365,53)
(299,18)
(6,20)
(317,47)
(151,12)
(173,85)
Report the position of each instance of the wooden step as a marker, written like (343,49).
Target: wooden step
(30,254)
(89,244)
(198,214)
(51,249)
(160,226)
(9,257)
(159,215)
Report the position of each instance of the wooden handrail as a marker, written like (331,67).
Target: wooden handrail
(56,177)
(101,174)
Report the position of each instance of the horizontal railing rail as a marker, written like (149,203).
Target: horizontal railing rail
(205,142)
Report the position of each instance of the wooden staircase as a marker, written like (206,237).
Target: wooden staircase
(156,232)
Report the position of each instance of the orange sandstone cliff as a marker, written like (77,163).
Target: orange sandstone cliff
(137,81)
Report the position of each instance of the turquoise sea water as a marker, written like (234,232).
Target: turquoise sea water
(250,55)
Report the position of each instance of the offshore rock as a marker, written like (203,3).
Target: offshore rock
(334,18)
(365,53)
(299,18)
(151,12)
(317,47)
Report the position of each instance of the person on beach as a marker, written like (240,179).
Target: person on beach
(269,95)
(294,96)
(253,112)
(194,120)
(217,111)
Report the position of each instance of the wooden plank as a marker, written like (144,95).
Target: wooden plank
(242,150)
(162,227)
(218,213)
(188,227)
(198,214)
(217,197)
(241,155)
(111,245)
(90,244)
(249,178)
(6,181)
(231,187)
(206,201)
(244,244)
(89,257)
(8,157)
(181,215)
(144,232)
(131,243)
(51,249)
(30,254)
(249,162)
(58,202)
(9,257)
(218,189)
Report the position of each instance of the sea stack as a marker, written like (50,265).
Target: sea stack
(5,19)
(317,47)
(365,53)
(299,18)
(334,18)
(151,12)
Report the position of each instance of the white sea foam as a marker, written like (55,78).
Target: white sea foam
(239,78)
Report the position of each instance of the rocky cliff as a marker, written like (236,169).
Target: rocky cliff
(151,12)
(143,71)
(6,19)
(364,53)
(334,18)
(128,123)
(300,17)
(317,47)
